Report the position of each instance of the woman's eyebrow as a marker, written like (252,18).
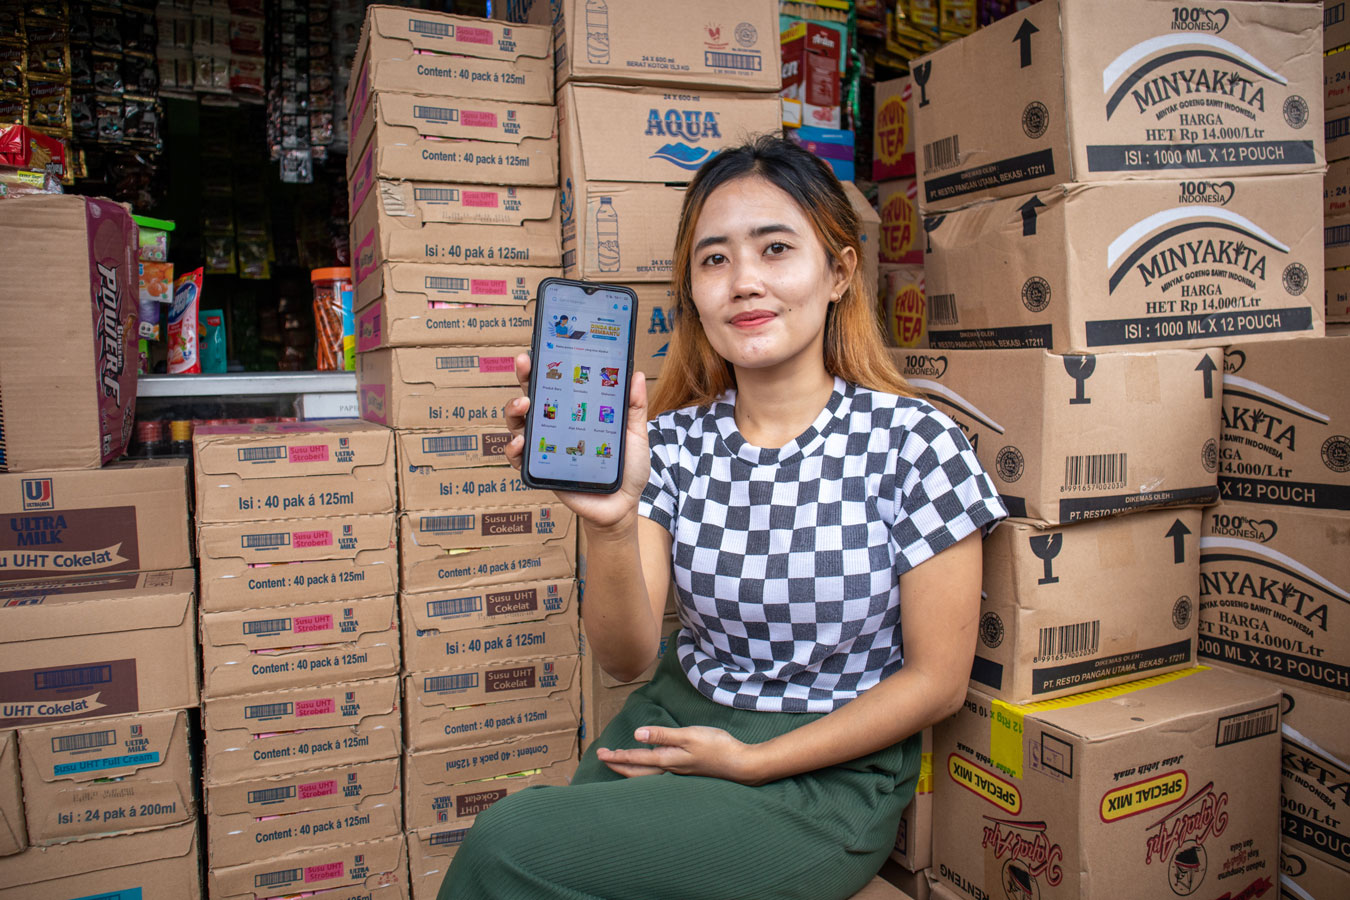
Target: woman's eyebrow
(756,232)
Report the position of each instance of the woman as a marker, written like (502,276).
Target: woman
(796,490)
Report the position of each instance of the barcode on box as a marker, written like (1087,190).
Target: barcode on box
(714,59)
(267,711)
(81,676)
(261,541)
(272,795)
(459,606)
(458,443)
(443,524)
(1338,128)
(942,309)
(445,838)
(435,113)
(1095,470)
(446,285)
(1246,726)
(435,29)
(261,454)
(1336,235)
(437,195)
(456,362)
(449,684)
(272,879)
(943,154)
(267,626)
(1069,641)
(90,740)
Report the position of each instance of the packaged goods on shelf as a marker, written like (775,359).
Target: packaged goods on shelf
(437,304)
(13,831)
(253,565)
(70,332)
(426,488)
(162,864)
(425,387)
(1169,782)
(375,868)
(448,788)
(120,643)
(1086,606)
(902,234)
(1275,594)
(324,726)
(1091,90)
(106,776)
(893,129)
(1132,265)
(1286,424)
(422,52)
(1071,438)
(280,647)
(695,44)
(914,840)
(478,545)
(286,470)
(904,306)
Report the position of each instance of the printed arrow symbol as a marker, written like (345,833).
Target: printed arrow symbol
(1023,37)
(1178,534)
(1028,211)
(1208,368)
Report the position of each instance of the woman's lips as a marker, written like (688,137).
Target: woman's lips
(751,318)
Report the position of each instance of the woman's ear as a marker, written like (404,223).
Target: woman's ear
(844,266)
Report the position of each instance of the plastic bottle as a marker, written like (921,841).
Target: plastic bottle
(180,438)
(150,443)
(597,32)
(607,235)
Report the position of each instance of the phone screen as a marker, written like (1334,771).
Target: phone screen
(580,374)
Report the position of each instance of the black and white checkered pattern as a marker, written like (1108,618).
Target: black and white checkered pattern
(787,561)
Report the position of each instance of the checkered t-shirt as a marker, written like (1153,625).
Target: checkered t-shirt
(787,561)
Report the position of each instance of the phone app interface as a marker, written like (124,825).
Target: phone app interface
(581,386)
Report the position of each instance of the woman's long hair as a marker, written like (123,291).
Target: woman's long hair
(694,374)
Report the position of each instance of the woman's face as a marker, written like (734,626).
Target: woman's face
(761,278)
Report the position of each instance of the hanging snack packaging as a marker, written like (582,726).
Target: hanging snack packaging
(184,355)
(212,340)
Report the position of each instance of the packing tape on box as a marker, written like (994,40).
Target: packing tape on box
(1005,722)
(925,785)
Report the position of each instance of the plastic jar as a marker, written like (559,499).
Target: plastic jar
(334,323)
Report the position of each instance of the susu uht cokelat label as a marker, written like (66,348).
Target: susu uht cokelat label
(56,693)
(58,542)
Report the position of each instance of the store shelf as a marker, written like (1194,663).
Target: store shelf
(250,384)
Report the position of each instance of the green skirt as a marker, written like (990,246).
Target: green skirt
(816,836)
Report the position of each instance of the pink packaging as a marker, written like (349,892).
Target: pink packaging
(184,342)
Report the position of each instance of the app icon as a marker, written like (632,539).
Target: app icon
(581,375)
(579,414)
(603,451)
(578,450)
(607,415)
(554,370)
(550,410)
(546,447)
(609,377)
(561,326)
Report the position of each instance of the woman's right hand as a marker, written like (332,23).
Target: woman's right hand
(605,511)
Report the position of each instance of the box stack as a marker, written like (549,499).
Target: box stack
(900,287)
(1117,269)
(296,532)
(1336,193)
(1275,580)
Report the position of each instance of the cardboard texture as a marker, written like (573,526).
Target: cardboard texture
(1335,82)
(470,547)
(448,788)
(1086,606)
(407,150)
(902,235)
(446,611)
(427,488)
(70,332)
(162,864)
(421,52)
(893,129)
(239,839)
(904,306)
(251,651)
(1275,594)
(290,469)
(1338,295)
(1336,190)
(1131,265)
(655,309)
(1165,783)
(13,831)
(106,776)
(1303,876)
(1315,769)
(1093,90)
(880,889)
(425,650)
(254,565)
(430,851)
(1335,25)
(1338,134)
(437,692)
(337,787)
(444,728)
(441,203)
(128,516)
(97,647)
(620,231)
(1285,425)
(324,726)
(869,222)
(434,451)
(363,866)
(1336,235)
(914,840)
(424,387)
(913,885)
(1070,438)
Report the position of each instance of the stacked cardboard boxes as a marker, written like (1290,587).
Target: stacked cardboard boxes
(300,653)
(900,288)
(1336,192)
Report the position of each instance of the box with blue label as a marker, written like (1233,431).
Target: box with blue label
(485,545)
(105,776)
(100,646)
(374,869)
(162,864)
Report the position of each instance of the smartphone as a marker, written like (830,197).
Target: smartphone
(581,368)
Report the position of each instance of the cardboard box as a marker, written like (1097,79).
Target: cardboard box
(107,776)
(902,236)
(429,649)
(1093,90)
(489,683)
(70,332)
(1069,438)
(914,885)
(254,565)
(441,450)
(1315,768)
(869,221)
(430,851)
(1336,82)
(1338,295)
(97,647)
(421,52)
(125,517)
(1127,791)
(163,864)
(436,727)
(1336,234)
(1274,589)
(424,488)
(330,788)
(1335,25)
(893,129)
(251,651)
(1303,876)
(656,310)
(411,150)
(447,611)
(914,839)
(1093,267)
(1086,606)
(1285,425)
(1336,190)
(13,832)
(366,866)
(621,231)
(485,545)
(448,788)
(284,470)
(1338,134)
(424,387)
(330,725)
(904,306)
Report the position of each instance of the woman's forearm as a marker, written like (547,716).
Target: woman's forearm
(623,630)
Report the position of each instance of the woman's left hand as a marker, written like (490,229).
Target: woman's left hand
(694,750)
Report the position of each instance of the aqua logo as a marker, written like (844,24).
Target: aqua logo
(687,125)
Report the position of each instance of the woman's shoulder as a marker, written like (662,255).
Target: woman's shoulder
(676,426)
(895,413)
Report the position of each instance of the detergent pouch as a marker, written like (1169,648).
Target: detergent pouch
(184,352)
